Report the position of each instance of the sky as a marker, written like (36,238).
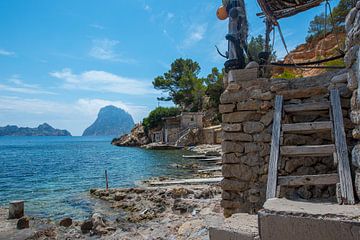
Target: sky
(62,60)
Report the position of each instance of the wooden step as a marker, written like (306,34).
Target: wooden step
(305,107)
(325,179)
(308,150)
(307,127)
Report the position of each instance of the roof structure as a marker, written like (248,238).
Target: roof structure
(276,9)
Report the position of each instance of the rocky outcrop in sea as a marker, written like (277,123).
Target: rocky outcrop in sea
(111,121)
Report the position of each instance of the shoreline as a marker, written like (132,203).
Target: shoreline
(167,212)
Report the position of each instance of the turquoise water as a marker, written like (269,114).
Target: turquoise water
(53,174)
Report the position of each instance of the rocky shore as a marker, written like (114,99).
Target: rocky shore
(174,212)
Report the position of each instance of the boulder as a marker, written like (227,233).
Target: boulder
(119,196)
(86,226)
(66,222)
(23,223)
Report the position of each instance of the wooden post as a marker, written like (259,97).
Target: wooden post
(275,149)
(16,209)
(107,182)
(347,190)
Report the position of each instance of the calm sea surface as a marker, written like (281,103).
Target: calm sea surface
(53,174)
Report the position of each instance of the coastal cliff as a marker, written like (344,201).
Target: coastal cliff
(42,130)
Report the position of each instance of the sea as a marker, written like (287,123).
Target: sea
(53,175)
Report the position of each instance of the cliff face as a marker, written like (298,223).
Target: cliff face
(42,130)
(111,121)
(314,50)
(136,138)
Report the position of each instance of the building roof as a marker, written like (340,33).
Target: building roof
(276,9)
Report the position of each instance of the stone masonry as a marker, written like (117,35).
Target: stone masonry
(352,61)
(247,111)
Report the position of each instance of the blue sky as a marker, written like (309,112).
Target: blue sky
(62,60)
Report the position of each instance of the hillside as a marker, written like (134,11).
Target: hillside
(316,49)
(42,130)
(111,121)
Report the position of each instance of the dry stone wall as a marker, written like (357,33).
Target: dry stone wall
(352,61)
(247,112)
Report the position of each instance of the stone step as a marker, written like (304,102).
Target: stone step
(305,107)
(299,220)
(307,127)
(324,179)
(308,150)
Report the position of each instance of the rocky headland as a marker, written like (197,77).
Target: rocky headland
(42,130)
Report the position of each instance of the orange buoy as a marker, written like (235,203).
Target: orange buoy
(221,13)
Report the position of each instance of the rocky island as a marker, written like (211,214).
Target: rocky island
(42,130)
(111,121)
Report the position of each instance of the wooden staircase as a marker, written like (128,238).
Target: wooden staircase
(338,149)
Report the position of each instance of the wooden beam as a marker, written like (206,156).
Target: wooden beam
(308,150)
(316,106)
(186,181)
(347,190)
(275,149)
(307,127)
(325,179)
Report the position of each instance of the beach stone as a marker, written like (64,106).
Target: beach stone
(16,209)
(119,196)
(180,192)
(181,207)
(23,223)
(66,222)
(86,226)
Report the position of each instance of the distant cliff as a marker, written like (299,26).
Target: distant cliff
(42,130)
(111,121)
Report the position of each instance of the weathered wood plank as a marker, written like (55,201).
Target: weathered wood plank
(325,179)
(308,150)
(304,107)
(186,181)
(194,156)
(347,190)
(307,127)
(303,92)
(275,149)
(209,170)
(214,159)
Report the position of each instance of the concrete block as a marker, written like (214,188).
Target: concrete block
(237,227)
(284,219)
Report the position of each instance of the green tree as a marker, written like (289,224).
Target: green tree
(182,84)
(155,116)
(256,45)
(341,10)
(215,87)
(317,26)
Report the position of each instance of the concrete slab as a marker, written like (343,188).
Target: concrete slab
(238,227)
(295,220)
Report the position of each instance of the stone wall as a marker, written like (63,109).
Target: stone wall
(352,61)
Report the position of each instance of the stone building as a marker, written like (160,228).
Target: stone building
(174,127)
(247,107)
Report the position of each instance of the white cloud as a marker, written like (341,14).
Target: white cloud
(18,86)
(97,26)
(104,49)
(103,82)
(195,34)
(73,116)
(4,52)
